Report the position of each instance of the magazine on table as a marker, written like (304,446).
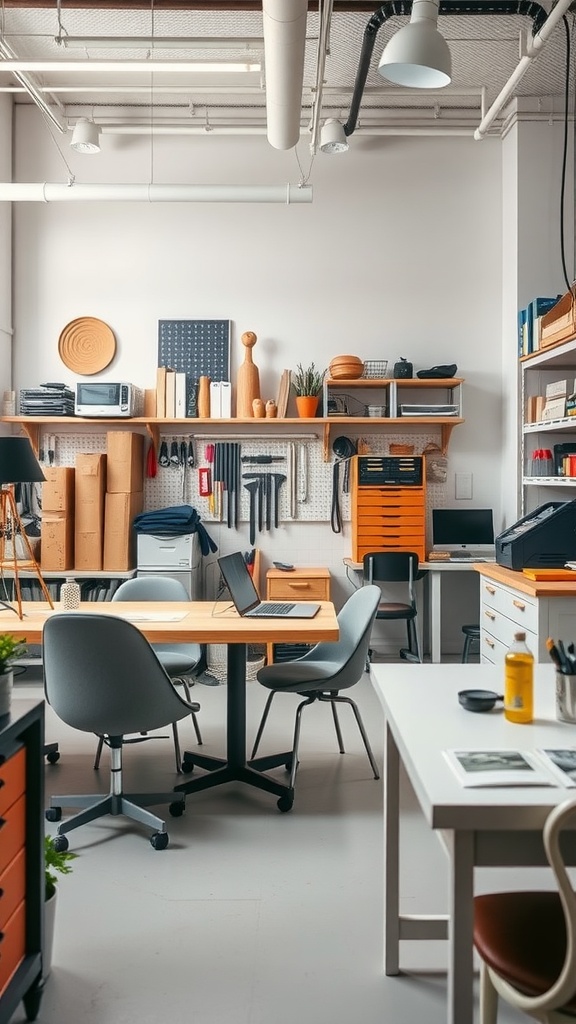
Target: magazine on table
(561,762)
(497,767)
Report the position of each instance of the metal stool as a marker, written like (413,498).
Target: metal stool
(471,635)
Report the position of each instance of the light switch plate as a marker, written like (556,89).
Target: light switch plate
(463,486)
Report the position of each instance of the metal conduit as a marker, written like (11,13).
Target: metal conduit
(44,192)
(525,8)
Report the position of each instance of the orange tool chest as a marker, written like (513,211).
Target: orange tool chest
(388,505)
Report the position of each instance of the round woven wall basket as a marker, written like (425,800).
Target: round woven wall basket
(87,345)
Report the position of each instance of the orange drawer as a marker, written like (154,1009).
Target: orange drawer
(12,779)
(12,887)
(406,499)
(12,945)
(298,589)
(12,832)
(396,519)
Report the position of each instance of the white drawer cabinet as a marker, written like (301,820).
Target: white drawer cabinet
(505,609)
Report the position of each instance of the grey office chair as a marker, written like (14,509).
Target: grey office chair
(396,567)
(320,675)
(102,676)
(179,660)
(527,940)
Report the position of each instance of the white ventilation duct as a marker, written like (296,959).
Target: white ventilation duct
(284,47)
(44,192)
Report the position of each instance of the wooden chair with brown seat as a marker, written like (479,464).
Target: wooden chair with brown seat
(526,940)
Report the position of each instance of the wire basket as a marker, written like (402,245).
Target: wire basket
(375,368)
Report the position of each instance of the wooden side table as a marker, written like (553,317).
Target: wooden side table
(306,584)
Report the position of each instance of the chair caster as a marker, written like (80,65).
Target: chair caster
(176,809)
(285,803)
(159,841)
(53,757)
(187,767)
(53,813)
(60,844)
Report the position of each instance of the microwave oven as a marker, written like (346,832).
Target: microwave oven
(107,399)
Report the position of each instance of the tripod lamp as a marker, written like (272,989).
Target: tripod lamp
(18,465)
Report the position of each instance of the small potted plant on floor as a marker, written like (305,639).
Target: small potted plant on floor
(10,650)
(55,862)
(307,385)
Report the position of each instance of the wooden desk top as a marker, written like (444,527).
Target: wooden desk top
(203,622)
(515,578)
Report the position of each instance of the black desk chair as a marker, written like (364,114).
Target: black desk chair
(320,675)
(396,567)
(471,636)
(102,676)
(527,940)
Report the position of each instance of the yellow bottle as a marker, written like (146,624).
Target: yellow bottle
(519,682)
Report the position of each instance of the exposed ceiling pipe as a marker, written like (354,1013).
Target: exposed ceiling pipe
(45,192)
(392,8)
(284,47)
(32,89)
(534,47)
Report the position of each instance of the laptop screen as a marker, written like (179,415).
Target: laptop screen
(239,582)
(454,528)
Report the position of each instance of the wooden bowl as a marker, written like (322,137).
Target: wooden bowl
(346,368)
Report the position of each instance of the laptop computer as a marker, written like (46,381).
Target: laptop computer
(465,533)
(245,596)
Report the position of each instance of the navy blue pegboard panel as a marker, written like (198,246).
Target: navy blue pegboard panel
(199,348)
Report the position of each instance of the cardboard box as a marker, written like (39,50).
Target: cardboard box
(57,542)
(90,489)
(119,537)
(125,458)
(58,489)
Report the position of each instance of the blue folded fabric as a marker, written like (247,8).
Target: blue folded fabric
(173,521)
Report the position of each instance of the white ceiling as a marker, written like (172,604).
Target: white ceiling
(485,51)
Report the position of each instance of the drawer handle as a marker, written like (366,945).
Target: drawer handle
(489,642)
(490,615)
(298,586)
(519,605)
(491,590)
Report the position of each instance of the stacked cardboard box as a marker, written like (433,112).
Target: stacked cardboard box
(57,543)
(89,529)
(124,498)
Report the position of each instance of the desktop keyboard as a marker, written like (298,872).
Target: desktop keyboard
(470,558)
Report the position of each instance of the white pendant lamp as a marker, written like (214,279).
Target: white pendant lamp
(86,136)
(418,55)
(333,137)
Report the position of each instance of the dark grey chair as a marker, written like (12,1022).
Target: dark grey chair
(320,675)
(102,676)
(179,660)
(396,567)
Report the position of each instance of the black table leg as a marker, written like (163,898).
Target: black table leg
(234,767)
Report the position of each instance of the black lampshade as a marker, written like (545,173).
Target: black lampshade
(18,463)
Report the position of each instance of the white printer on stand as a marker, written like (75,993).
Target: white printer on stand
(179,557)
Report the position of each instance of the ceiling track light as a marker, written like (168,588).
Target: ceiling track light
(333,137)
(244,44)
(86,136)
(417,55)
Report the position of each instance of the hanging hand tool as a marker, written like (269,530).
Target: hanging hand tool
(262,460)
(210,492)
(268,493)
(191,460)
(259,477)
(151,460)
(183,464)
(51,450)
(174,454)
(163,459)
(252,489)
(277,479)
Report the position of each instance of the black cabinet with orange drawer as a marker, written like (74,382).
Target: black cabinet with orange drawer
(388,505)
(21,858)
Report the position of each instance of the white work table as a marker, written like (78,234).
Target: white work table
(488,827)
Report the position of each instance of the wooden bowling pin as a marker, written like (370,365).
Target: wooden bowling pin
(248,380)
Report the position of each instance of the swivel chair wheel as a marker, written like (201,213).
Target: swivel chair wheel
(159,841)
(53,757)
(187,766)
(288,765)
(60,844)
(176,808)
(285,803)
(53,813)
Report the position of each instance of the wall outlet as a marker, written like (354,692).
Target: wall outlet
(463,486)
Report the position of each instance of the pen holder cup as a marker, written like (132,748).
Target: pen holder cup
(565,697)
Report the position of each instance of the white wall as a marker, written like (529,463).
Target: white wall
(399,254)
(5,247)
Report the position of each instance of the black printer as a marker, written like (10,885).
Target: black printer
(543,539)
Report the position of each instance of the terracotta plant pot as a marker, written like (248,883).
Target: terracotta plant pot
(307,406)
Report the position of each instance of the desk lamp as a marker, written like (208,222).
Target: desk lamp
(18,465)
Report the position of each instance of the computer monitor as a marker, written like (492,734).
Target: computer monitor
(460,529)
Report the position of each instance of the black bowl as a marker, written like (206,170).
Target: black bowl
(478,700)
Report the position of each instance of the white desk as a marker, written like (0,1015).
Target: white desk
(435,572)
(478,827)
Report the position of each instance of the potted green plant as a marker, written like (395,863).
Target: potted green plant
(10,650)
(307,385)
(55,862)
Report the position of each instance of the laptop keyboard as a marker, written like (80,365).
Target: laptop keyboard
(275,607)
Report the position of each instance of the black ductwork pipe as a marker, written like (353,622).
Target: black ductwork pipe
(524,8)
